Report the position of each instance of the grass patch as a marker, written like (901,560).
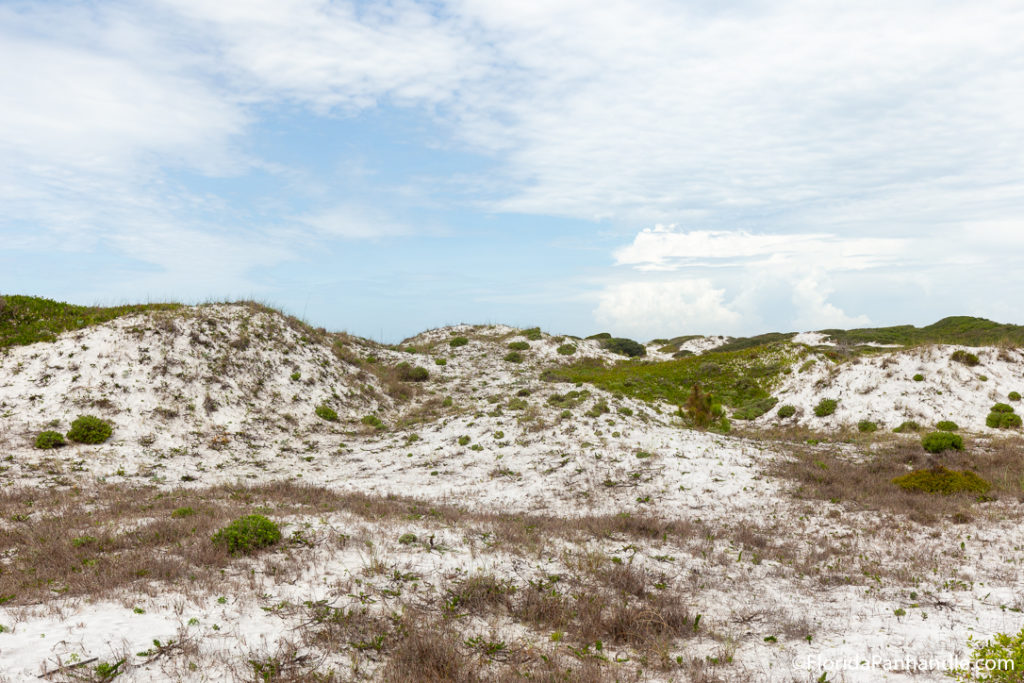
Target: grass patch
(755,408)
(942,481)
(962,330)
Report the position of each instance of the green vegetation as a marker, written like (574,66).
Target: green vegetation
(407,538)
(457,342)
(919,377)
(998,660)
(908,426)
(49,439)
(513,357)
(464,440)
(247,535)
(598,409)
(440,361)
(30,319)
(372,421)
(965,358)
(1001,408)
(1014,396)
(673,345)
(786,411)
(963,330)
(89,429)
(624,347)
(567,349)
(295,376)
(408,373)
(942,481)
(734,377)
(754,408)
(183,512)
(1003,420)
(947,426)
(744,343)
(867,426)
(570,399)
(826,407)
(533,334)
(703,411)
(600,335)
(325,412)
(937,442)
(519,345)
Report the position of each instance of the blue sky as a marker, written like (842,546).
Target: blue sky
(646,168)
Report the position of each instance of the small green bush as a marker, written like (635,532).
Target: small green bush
(325,412)
(464,440)
(625,410)
(296,376)
(598,409)
(513,357)
(49,439)
(457,342)
(755,408)
(908,426)
(248,534)
(533,334)
(519,345)
(919,377)
(936,442)
(182,512)
(786,411)
(1001,408)
(408,373)
(407,538)
(89,429)
(1014,396)
(965,358)
(942,481)
(867,426)
(947,426)
(624,347)
(567,349)
(440,361)
(372,421)
(826,407)
(1003,420)
(1003,652)
(600,335)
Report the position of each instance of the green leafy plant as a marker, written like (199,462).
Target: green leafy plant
(937,442)
(942,481)
(826,407)
(965,358)
(624,347)
(248,534)
(519,345)
(49,439)
(947,426)
(457,342)
(566,349)
(296,376)
(440,361)
(786,411)
(325,412)
(1003,420)
(997,660)
(89,429)
(867,426)
(513,357)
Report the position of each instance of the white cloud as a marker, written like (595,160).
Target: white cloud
(814,312)
(648,309)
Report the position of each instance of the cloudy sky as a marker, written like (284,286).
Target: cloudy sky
(643,167)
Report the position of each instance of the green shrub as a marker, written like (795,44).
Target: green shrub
(1003,652)
(919,377)
(867,426)
(936,442)
(457,342)
(296,376)
(407,538)
(1003,420)
(624,347)
(755,408)
(598,409)
(567,349)
(625,410)
(786,411)
(440,361)
(519,345)
(908,426)
(1014,396)
(965,358)
(533,334)
(182,512)
(600,335)
(826,407)
(947,426)
(464,440)
(943,481)
(248,534)
(89,429)
(372,421)
(513,357)
(1001,408)
(408,373)
(49,439)
(701,407)
(325,412)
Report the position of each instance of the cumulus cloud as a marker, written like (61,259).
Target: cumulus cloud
(648,309)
